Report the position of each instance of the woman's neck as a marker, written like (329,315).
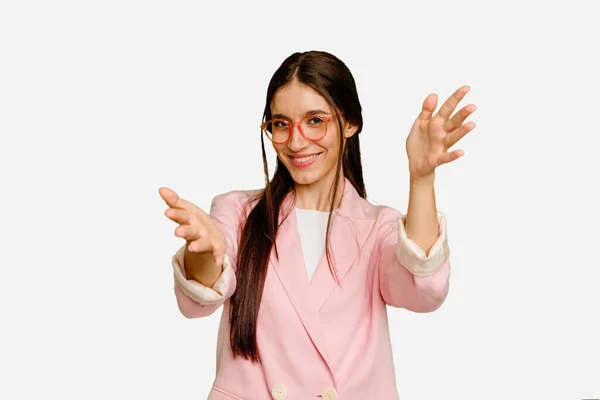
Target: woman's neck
(317,196)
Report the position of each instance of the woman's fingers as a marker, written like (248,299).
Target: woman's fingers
(181,216)
(174,201)
(429,105)
(453,137)
(191,226)
(189,232)
(449,156)
(450,105)
(219,249)
(200,245)
(170,197)
(459,118)
(195,226)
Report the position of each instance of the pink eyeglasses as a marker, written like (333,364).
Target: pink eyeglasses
(313,128)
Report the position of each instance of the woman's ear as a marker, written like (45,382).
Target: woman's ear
(350,129)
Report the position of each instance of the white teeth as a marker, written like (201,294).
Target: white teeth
(305,159)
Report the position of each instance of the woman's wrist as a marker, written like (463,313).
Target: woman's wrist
(422,181)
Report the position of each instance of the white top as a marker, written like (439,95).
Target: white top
(312,226)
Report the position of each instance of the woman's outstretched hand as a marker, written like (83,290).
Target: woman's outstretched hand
(195,226)
(431,136)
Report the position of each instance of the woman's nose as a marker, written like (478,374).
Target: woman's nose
(297,140)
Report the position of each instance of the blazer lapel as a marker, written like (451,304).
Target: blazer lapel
(291,271)
(349,231)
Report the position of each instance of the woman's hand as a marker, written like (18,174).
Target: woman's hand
(195,226)
(430,137)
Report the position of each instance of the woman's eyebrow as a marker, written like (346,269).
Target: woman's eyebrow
(306,114)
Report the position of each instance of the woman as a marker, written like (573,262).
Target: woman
(305,311)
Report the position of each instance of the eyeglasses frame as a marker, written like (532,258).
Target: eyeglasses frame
(291,124)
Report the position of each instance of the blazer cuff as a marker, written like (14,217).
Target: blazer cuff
(413,258)
(195,290)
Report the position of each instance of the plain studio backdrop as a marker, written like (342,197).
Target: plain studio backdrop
(102,103)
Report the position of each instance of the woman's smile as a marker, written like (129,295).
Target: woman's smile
(304,160)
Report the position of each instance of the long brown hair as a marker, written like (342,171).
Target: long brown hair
(333,80)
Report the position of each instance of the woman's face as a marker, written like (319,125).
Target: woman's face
(307,161)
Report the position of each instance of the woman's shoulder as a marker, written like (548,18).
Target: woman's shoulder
(237,199)
(239,194)
(379,212)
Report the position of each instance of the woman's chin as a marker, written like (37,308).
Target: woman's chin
(304,178)
(310,177)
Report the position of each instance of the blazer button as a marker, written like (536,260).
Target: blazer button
(330,394)
(279,392)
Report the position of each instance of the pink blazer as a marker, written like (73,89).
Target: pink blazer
(319,340)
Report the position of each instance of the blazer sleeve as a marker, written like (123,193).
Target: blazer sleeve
(409,278)
(194,299)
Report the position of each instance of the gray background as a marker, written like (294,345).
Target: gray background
(101,103)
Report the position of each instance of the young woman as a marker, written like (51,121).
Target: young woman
(305,267)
